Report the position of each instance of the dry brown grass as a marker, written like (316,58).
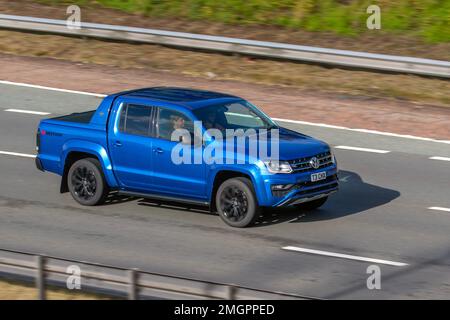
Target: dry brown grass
(207,65)
(15,291)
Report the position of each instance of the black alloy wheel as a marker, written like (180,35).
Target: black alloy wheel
(236,202)
(87,183)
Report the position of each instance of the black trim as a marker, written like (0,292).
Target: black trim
(38,163)
(163,198)
(78,117)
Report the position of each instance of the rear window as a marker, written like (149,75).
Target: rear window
(135,119)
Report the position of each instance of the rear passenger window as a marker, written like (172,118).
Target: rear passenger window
(135,119)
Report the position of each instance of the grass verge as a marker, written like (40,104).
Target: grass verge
(404,43)
(19,291)
(430,19)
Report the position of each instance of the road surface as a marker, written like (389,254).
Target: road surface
(388,185)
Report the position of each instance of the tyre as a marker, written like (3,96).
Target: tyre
(236,202)
(311,205)
(87,183)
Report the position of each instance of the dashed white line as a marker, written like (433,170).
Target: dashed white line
(345,256)
(28,112)
(15,154)
(405,136)
(361,149)
(50,88)
(439,158)
(439,209)
(381,133)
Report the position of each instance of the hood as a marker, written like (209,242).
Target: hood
(291,145)
(294,145)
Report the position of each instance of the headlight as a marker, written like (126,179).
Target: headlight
(278,166)
(333,157)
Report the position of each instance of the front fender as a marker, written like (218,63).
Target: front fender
(91,148)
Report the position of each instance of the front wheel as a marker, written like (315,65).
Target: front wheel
(236,202)
(87,183)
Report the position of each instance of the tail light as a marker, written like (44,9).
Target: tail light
(38,140)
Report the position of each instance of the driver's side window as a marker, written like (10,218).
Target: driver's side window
(171,120)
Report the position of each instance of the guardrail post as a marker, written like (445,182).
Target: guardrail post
(40,277)
(231,292)
(133,284)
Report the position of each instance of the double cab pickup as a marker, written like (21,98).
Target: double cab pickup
(167,144)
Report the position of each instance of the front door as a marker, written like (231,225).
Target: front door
(172,177)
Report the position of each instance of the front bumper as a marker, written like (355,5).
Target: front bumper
(302,189)
(310,197)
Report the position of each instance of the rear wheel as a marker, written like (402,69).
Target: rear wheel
(236,202)
(311,205)
(87,183)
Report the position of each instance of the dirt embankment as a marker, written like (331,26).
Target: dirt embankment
(282,102)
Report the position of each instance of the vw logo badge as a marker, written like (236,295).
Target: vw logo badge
(314,163)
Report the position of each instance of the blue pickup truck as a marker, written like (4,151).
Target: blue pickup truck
(127,145)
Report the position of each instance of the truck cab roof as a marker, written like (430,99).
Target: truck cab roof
(188,98)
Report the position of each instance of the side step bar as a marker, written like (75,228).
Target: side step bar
(163,198)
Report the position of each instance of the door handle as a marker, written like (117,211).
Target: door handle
(158,150)
(117,144)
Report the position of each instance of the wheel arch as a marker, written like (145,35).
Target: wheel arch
(224,174)
(77,150)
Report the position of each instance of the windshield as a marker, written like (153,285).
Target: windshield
(235,115)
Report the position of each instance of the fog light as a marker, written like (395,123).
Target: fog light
(281,187)
(280,190)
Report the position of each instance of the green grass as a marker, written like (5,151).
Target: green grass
(429,19)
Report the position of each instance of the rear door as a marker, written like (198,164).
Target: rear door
(130,145)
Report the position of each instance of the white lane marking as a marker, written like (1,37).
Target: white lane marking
(361,149)
(440,209)
(381,133)
(50,88)
(15,154)
(439,158)
(28,112)
(345,256)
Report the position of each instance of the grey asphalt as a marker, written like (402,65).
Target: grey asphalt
(380,212)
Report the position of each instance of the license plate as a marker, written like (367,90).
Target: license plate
(318,176)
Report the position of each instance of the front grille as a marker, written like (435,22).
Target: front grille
(302,165)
